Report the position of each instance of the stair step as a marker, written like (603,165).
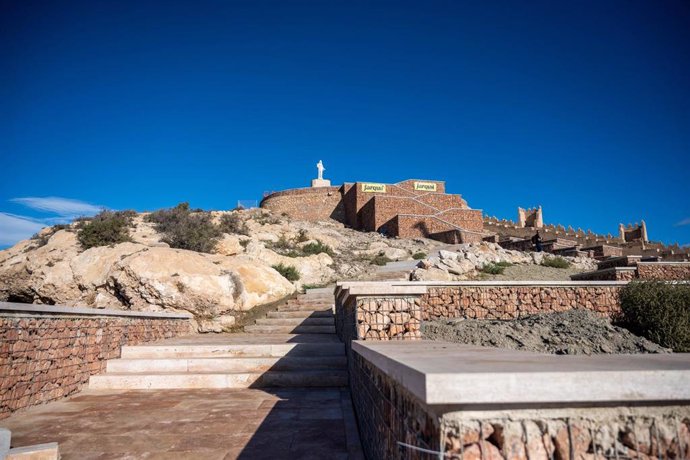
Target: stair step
(201,365)
(296,321)
(290,329)
(159,381)
(233,350)
(304,308)
(300,314)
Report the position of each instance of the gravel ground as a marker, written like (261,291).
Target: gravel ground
(533,272)
(575,332)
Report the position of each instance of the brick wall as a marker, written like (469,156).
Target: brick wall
(311,204)
(47,357)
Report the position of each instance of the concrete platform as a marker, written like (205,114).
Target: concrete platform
(194,424)
(454,374)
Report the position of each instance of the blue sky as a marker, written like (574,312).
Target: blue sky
(581,107)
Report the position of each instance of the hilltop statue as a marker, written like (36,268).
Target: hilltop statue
(320,181)
(321,169)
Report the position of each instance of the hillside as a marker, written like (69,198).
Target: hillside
(140,264)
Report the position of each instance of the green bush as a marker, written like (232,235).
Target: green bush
(317,248)
(493,268)
(184,229)
(234,224)
(380,259)
(419,255)
(659,311)
(288,271)
(555,262)
(105,228)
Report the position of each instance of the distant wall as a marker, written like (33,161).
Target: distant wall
(46,356)
(312,204)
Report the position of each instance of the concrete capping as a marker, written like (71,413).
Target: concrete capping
(47,451)
(5,441)
(59,310)
(577,276)
(450,374)
(661,263)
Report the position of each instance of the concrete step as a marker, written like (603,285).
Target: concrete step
(260,329)
(233,365)
(300,314)
(321,378)
(233,350)
(296,321)
(304,308)
(315,305)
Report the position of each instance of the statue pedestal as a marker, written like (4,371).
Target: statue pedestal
(320,183)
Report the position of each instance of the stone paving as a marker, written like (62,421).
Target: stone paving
(195,424)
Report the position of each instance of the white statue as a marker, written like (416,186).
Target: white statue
(321,169)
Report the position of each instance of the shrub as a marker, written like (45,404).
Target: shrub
(317,248)
(659,311)
(183,229)
(302,236)
(380,259)
(555,262)
(289,272)
(105,228)
(234,224)
(419,255)
(283,243)
(493,268)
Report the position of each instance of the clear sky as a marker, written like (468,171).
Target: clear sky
(582,107)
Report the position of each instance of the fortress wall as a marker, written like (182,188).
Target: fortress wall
(47,356)
(312,204)
(443,201)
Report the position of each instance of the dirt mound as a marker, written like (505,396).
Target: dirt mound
(574,332)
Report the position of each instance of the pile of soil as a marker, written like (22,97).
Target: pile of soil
(574,332)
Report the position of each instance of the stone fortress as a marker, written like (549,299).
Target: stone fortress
(422,208)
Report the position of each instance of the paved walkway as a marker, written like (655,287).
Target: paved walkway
(195,424)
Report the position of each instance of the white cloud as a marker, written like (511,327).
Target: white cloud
(61,206)
(683,222)
(15,228)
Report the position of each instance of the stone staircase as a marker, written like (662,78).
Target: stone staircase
(295,346)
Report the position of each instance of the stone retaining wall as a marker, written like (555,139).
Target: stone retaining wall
(46,357)
(675,271)
(388,414)
(513,302)
(395,424)
(388,316)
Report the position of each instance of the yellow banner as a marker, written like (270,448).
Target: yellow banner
(425,186)
(374,188)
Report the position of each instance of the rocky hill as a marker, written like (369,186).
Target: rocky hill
(241,268)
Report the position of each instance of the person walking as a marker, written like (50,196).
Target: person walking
(536,241)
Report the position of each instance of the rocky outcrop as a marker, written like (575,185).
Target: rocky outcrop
(466,262)
(53,269)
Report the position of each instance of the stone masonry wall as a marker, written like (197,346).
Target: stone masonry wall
(381,317)
(44,358)
(311,204)
(512,302)
(388,414)
(661,271)
(592,433)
